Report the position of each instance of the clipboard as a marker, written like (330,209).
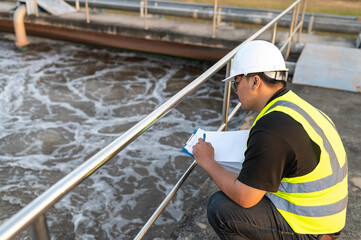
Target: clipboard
(229,146)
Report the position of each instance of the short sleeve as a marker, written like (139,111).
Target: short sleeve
(277,147)
(267,158)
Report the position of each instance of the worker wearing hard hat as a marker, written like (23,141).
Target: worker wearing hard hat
(293,182)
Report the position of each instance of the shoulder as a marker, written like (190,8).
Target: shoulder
(279,134)
(278,124)
(269,156)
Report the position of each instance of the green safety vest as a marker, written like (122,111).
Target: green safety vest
(316,202)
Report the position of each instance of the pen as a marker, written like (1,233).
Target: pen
(204,137)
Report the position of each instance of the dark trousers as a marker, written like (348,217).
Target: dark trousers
(263,221)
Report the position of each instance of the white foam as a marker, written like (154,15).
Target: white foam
(55,102)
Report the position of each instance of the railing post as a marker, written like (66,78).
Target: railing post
(87,11)
(226,98)
(77,6)
(146,14)
(39,229)
(274,33)
(141,9)
(302,19)
(36,8)
(219,16)
(290,36)
(296,19)
(310,23)
(214,19)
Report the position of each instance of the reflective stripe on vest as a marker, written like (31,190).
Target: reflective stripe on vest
(314,203)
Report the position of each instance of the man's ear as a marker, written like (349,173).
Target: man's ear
(256,82)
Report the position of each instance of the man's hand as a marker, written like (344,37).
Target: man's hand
(227,182)
(203,152)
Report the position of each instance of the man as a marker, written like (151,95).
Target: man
(293,182)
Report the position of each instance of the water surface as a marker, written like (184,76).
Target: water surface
(62,102)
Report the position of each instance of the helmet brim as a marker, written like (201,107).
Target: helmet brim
(229,79)
(232,78)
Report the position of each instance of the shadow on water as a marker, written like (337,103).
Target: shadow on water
(62,102)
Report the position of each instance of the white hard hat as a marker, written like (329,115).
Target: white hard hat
(258,56)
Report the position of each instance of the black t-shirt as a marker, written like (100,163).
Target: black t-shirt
(277,147)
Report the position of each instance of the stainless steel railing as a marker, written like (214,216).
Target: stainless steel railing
(34,213)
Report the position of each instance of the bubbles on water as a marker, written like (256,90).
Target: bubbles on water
(60,103)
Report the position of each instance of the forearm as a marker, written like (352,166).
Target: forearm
(225,180)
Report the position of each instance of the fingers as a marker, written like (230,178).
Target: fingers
(195,147)
(197,144)
(201,144)
(203,152)
(200,140)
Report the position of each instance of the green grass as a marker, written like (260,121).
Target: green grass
(341,7)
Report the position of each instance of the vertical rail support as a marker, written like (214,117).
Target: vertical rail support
(226,97)
(146,14)
(87,11)
(296,20)
(310,23)
(36,8)
(77,6)
(290,36)
(302,19)
(274,33)
(141,9)
(39,229)
(219,16)
(214,18)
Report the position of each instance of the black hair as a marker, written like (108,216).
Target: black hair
(268,80)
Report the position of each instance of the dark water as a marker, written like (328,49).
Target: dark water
(62,102)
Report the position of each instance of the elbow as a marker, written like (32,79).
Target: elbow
(248,197)
(241,201)
(248,202)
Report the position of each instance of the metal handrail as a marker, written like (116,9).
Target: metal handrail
(35,210)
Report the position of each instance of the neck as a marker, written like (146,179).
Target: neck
(266,94)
